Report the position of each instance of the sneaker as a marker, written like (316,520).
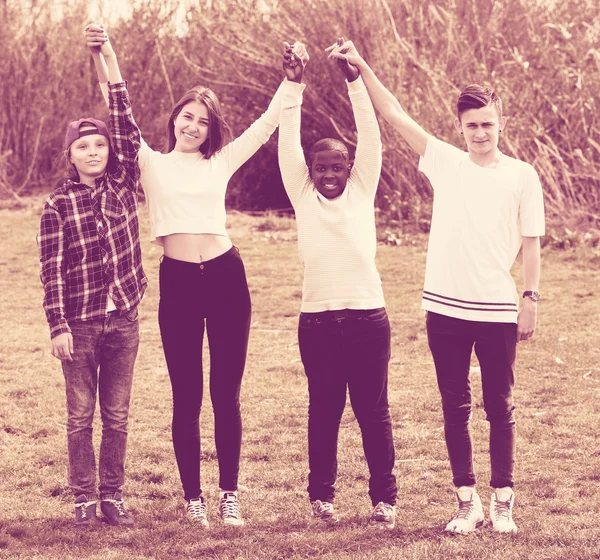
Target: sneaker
(501,506)
(195,511)
(470,512)
(323,511)
(383,516)
(229,509)
(114,512)
(85,511)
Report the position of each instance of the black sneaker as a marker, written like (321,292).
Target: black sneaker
(85,511)
(114,512)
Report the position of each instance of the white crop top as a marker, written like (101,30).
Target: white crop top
(186,191)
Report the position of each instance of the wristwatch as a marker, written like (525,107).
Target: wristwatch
(532,294)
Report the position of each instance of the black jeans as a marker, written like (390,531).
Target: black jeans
(339,349)
(214,291)
(451,342)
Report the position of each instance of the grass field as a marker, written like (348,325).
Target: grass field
(557,395)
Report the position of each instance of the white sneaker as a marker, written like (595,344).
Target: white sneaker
(229,509)
(195,510)
(383,516)
(470,512)
(501,506)
(323,511)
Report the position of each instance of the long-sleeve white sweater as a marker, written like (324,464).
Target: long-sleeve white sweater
(336,238)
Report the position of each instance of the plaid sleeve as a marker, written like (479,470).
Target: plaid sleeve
(125,134)
(50,241)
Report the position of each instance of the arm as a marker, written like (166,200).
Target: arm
(527,318)
(125,133)
(384,101)
(101,72)
(367,163)
(259,132)
(290,156)
(51,243)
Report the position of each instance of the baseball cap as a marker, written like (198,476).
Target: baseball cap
(73,132)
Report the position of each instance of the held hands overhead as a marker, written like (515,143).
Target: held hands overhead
(97,39)
(295,58)
(350,70)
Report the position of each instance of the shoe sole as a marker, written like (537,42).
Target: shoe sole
(235,523)
(477,526)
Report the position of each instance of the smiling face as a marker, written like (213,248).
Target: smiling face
(89,154)
(481,128)
(329,171)
(191,127)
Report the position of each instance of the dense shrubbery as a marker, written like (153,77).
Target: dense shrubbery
(543,61)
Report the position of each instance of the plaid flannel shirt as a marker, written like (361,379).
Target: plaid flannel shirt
(88,240)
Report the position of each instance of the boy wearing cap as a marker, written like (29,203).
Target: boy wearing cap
(91,271)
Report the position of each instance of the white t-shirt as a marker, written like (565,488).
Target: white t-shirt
(479,218)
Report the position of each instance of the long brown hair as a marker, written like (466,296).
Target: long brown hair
(219,132)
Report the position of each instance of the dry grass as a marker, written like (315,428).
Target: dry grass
(558,469)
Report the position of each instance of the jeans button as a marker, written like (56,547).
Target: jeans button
(201,267)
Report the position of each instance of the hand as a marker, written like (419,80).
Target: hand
(526,320)
(295,59)
(350,71)
(97,39)
(346,51)
(62,346)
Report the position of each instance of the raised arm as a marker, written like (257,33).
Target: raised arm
(384,101)
(125,132)
(367,162)
(292,164)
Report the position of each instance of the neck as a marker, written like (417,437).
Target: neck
(87,180)
(489,159)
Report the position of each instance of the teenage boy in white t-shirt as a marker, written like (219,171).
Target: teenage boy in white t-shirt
(486,206)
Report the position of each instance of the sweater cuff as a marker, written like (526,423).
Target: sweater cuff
(356,86)
(292,93)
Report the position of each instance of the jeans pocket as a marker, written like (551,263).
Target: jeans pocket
(132,314)
(307,321)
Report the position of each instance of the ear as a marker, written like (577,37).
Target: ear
(458,126)
(502,124)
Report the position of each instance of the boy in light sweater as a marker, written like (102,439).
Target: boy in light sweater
(343,332)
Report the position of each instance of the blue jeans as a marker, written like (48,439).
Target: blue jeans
(451,342)
(103,359)
(348,349)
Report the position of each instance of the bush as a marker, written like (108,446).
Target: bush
(541,57)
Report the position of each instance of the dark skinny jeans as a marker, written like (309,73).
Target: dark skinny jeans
(451,342)
(214,293)
(348,350)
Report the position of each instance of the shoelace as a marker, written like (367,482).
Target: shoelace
(83,507)
(196,508)
(118,506)
(323,507)
(383,510)
(464,509)
(230,508)
(502,509)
